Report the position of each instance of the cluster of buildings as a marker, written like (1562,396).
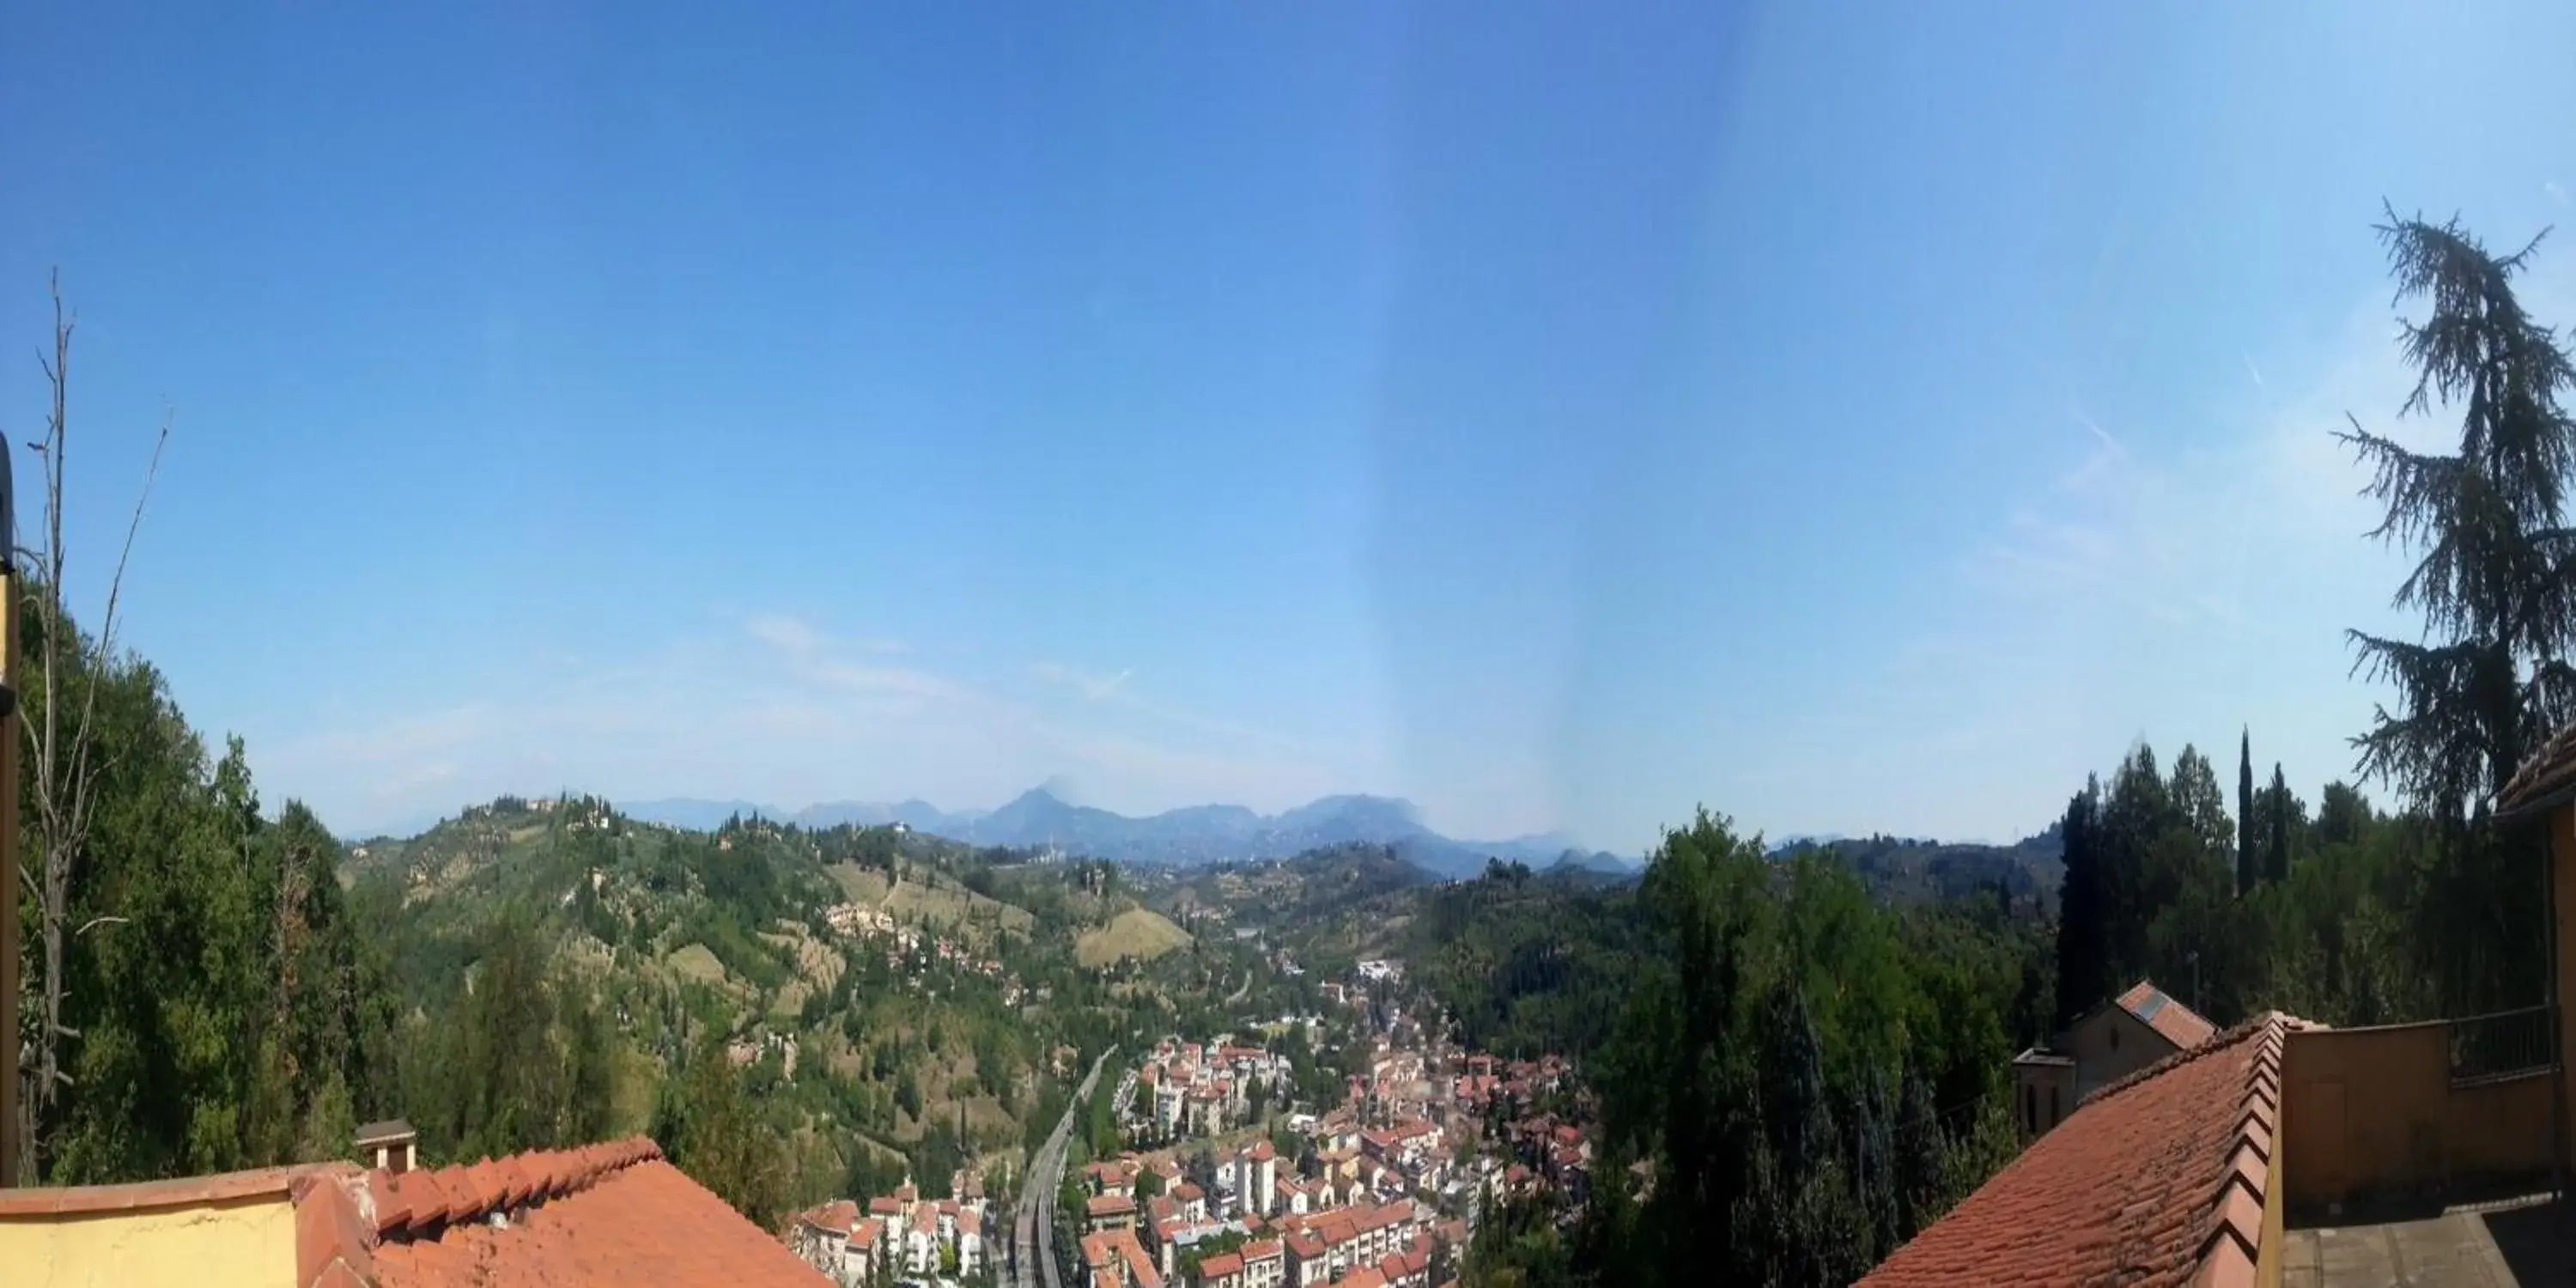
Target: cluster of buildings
(1549,1157)
(904,944)
(901,1235)
(1424,1116)
(1354,1240)
(1548,1154)
(1384,1188)
(746,1051)
(1484,1080)
(1189,1089)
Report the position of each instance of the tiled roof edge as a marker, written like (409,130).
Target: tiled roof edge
(2545,774)
(185,1191)
(421,1201)
(2233,1246)
(335,1231)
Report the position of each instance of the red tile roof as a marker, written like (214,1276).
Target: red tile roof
(603,1214)
(1102,1252)
(836,1216)
(2177,1023)
(609,1214)
(2157,1179)
(1400,1265)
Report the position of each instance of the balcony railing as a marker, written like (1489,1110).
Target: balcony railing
(2504,1044)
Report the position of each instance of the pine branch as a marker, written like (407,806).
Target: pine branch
(2416,488)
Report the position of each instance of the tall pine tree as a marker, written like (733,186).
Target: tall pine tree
(2490,676)
(2497,578)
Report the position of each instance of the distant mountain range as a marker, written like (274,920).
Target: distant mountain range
(1182,837)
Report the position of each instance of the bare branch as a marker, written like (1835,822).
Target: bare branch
(96,922)
(116,583)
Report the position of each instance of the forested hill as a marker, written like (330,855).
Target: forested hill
(872,986)
(1912,871)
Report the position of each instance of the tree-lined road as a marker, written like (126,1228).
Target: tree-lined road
(1033,1230)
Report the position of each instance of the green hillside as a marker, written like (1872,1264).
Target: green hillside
(888,997)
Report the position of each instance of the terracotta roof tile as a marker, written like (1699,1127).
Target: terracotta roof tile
(2545,775)
(617,1214)
(407,1200)
(2157,1179)
(330,1231)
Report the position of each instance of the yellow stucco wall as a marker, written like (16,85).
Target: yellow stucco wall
(249,1243)
(2267,1257)
(2373,1111)
(2562,872)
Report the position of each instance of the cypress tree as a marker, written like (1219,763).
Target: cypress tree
(2277,866)
(2080,967)
(2245,812)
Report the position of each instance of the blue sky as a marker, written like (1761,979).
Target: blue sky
(1847,417)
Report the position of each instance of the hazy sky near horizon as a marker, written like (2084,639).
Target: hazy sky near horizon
(1851,417)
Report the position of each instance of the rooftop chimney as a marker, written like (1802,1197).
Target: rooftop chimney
(387,1146)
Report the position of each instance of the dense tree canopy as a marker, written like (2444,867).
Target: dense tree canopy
(1805,1076)
(219,1009)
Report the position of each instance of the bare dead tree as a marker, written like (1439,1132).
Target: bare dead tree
(61,742)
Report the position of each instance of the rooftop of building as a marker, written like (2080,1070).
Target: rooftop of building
(613,1213)
(2159,1178)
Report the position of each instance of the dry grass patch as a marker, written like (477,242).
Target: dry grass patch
(1138,932)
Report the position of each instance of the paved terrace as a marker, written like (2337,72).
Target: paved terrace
(2525,1243)
(2427,1155)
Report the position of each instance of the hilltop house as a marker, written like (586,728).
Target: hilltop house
(2108,1043)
